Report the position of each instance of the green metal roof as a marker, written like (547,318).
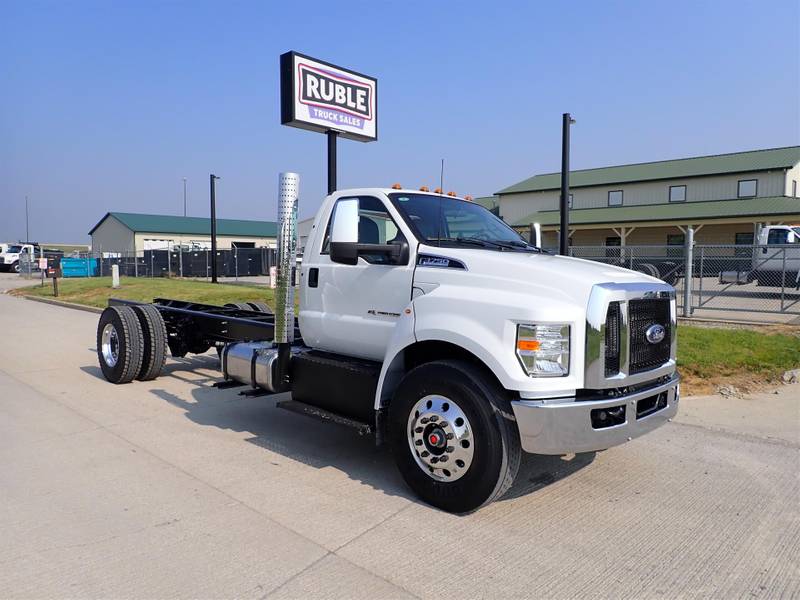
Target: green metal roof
(737,162)
(191,225)
(712,209)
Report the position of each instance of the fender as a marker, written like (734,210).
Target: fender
(486,333)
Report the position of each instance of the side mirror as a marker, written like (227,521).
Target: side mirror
(344,246)
(344,232)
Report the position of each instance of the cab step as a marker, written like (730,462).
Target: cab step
(327,416)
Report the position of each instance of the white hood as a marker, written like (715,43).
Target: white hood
(559,279)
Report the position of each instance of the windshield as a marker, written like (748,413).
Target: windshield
(442,221)
(796,231)
(14,249)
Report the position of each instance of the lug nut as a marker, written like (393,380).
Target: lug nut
(435,460)
(450,449)
(418,430)
(434,418)
(444,458)
(444,424)
(450,436)
(425,454)
(423,420)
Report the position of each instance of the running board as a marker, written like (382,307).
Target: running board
(321,414)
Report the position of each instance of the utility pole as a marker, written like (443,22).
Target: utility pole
(332,136)
(27,229)
(213,179)
(563,246)
(184,196)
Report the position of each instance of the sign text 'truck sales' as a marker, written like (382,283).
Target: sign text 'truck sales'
(320,96)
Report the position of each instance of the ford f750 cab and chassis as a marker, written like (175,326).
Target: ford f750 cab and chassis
(426,320)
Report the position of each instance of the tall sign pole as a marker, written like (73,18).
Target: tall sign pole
(213,179)
(563,246)
(332,135)
(322,97)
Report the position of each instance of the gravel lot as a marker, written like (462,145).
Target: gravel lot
(175,489)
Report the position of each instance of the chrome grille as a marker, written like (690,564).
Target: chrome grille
(613,327)
(641,315)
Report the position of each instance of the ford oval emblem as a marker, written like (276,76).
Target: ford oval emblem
(655,334)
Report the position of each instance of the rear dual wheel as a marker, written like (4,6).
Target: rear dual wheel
(256,306)
(131,343)
(453,435)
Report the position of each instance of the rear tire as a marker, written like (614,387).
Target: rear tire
(261,307)
(154,347)
(119,344)
(239,305)
(487,425)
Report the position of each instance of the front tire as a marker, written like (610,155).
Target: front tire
(453,435)
(15,267)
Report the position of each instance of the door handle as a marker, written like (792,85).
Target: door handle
(313,277)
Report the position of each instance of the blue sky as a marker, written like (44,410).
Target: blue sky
(108,105)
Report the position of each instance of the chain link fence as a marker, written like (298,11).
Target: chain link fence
(735,280)
(233,263)
(738,280)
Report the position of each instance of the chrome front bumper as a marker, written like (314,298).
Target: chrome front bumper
(564,426)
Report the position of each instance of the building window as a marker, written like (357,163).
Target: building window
(743,242)
(615,198)
(677,241)
(569,200)
(794,188)
(677,193)
(748,188)
(614,241)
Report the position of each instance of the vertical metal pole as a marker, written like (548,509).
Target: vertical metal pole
(566,121)
(27,230)
(213,178)
(332,135)
(184,196)
(180,258)
(783,279)
(702,271)
(687,272)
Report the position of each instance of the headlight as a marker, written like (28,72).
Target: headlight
(543,350)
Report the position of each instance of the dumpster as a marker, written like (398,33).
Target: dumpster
(80,267)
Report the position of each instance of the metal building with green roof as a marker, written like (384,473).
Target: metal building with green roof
(126,232)
(725,197)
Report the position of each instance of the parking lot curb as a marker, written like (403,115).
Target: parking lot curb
(63,304)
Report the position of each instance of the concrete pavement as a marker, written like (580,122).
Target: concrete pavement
(173,488)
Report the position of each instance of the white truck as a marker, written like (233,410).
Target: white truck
(13,254)
(426,320)
(776,259)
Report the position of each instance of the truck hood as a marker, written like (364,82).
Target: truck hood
(559,279)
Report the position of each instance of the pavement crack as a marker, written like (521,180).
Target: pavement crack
(741,436)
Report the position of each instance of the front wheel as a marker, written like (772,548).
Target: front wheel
(15,267)
(453,435)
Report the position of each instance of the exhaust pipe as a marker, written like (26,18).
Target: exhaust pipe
(288,192)
(259,364)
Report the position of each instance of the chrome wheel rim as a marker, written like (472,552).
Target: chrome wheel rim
(440,438)
(109,345)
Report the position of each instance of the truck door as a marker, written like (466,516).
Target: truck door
(352,309)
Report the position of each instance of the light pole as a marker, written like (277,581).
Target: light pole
(184,196)
(213,179)
(27,229)
(566,121)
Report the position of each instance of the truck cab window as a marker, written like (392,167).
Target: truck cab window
(375,226)
(778,236)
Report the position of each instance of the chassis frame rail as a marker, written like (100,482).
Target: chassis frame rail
(195,327)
